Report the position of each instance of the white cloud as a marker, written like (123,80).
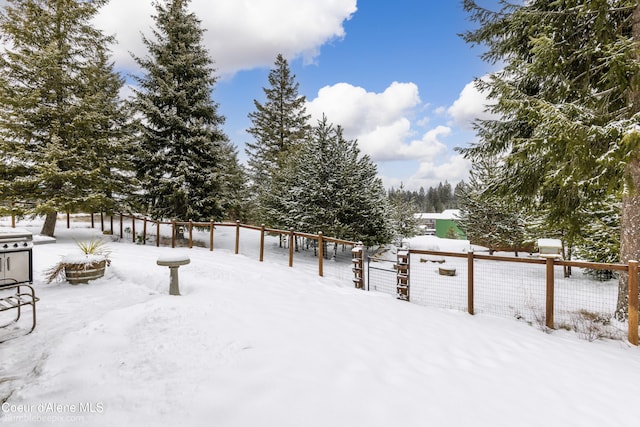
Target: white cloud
(239,34)
(454,170)
(359,111)
(440,110)
(381,122)
(470,105)
(386,142)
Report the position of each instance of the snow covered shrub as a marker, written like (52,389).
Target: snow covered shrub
(592,326)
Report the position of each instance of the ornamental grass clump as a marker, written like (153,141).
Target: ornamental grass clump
(94,254)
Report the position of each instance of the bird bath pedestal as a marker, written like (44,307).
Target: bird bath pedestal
(173,262)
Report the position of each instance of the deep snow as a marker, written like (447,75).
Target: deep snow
(262,344)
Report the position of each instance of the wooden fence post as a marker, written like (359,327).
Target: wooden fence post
(550,293)
(291,244)
(133,228)
(403,258)
(633,302)
(210,235)
(357,261)
(93,224)
(320,254)
(173,234)
(470,304)
(68,220)
(101,220)
(144,231)
(121,221)
(237,236)
(262,243)
(158,234)
(190,234)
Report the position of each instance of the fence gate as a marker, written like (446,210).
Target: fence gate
(381,276)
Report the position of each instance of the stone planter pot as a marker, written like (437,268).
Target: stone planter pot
(83,273)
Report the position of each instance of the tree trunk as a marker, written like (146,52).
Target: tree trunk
(630,224)
(49,226)
(630,234)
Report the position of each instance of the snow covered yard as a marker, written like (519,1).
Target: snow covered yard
(261,344)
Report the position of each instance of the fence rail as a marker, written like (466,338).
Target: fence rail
(151,231)
(549,292)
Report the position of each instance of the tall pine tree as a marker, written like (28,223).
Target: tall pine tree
(107,122)
(279,126)
(568,99)
(184,156)
(59,110)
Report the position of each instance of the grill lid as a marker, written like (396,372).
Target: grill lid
(8,234)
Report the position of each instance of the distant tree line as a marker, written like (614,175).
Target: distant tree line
(434,199)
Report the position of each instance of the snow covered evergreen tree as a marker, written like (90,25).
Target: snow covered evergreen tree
(107,122)
(403,221)
(600,241)
(488,218)
(184,158)
(279,127)
(328,186)
(60,116)
(235,192)
(568,100)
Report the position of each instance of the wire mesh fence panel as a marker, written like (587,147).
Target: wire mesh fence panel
(337,262)
(199,236)
(150,235)
(439,281)
(224,237)
(276,246)
(381,276)
(248,244)
(510,289)
(585,302)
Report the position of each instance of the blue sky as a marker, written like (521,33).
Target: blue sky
(407,42)
(394,74)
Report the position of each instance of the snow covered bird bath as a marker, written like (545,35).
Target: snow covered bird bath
(173,262)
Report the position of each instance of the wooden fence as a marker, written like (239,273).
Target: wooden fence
(141,236)
(549,264)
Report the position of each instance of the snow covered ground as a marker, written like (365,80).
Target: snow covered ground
(261,344)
